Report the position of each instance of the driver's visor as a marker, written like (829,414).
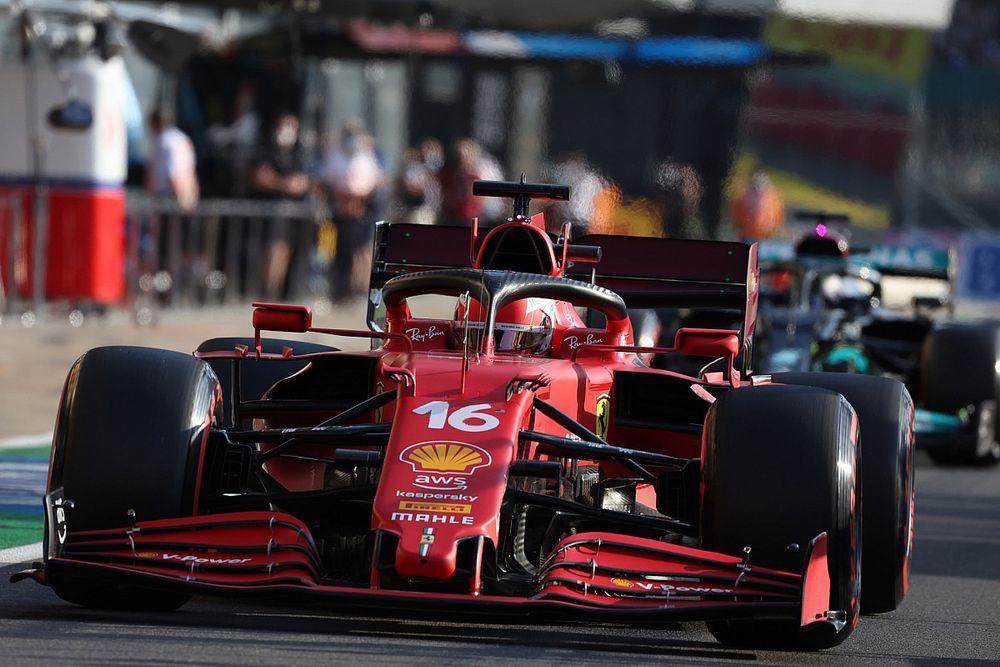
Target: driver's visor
(507,337)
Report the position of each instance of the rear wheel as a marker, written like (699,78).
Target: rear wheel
(779,467)
(885,417)
(131,436)
(962,369)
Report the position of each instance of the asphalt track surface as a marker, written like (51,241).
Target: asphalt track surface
(951,617)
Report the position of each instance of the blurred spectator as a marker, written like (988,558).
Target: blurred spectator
(462,167)
(239,137)
(170,174)
(432,155)
(494,209)
(759,212)
(278,173)
(170,170)
(678,190)
(585,185)
(352,174)
(413,194)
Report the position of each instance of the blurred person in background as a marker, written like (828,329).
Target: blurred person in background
(494,209)
(432,155)
(171,175)
(171,168)
(585,185)
(238,139)
(461,168)
(412,190)
(278,173)
(677,193)
(353,178)
(758,213)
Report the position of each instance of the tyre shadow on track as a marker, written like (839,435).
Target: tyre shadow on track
(210,614)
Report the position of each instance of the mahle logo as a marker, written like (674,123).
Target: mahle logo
(454,457)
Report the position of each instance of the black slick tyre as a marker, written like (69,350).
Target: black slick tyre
(885,418)
(130,435)
(961,369)
(779,467)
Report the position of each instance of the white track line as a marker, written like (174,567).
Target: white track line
(25,441)
(23,554)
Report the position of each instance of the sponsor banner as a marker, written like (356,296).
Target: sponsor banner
(190,558)
(669,588)
(448,508)
(421,335)
(573,341)
(896,53)
(421,517)
(444,465)
(200,560)
(979,266)
(431,495)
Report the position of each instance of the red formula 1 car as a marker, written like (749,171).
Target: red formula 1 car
(505,456)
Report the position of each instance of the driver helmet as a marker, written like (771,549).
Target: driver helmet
(822,242)
(523,326)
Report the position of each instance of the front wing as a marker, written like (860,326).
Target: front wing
(589,575)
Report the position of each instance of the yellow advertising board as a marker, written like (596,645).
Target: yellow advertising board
(897,53)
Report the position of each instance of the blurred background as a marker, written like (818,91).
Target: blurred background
(209,152)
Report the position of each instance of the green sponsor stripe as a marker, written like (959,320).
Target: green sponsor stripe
(17,530)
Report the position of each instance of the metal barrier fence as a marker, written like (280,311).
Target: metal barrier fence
(224,250)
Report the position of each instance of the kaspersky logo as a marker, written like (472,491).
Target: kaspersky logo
(444,465)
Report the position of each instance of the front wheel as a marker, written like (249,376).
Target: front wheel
(130,437)
(779,466)
(885,418)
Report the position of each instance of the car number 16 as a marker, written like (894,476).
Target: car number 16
(470,418)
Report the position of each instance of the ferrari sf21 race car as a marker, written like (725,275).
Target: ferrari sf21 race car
(503,458)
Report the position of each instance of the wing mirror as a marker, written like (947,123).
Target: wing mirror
(281,317)
(707,342)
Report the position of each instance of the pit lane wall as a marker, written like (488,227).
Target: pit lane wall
(80,172)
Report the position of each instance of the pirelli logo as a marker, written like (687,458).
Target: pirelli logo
(447,508)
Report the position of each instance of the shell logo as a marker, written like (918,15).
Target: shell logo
(455,457)
(624,583)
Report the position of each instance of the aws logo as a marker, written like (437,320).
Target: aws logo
(444,466)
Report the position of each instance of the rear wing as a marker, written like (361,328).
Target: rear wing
(650,272)
(910,261)
(402,248)
(646,272)
(656,272)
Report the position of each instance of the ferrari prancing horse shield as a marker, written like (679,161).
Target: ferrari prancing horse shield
(603,416)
